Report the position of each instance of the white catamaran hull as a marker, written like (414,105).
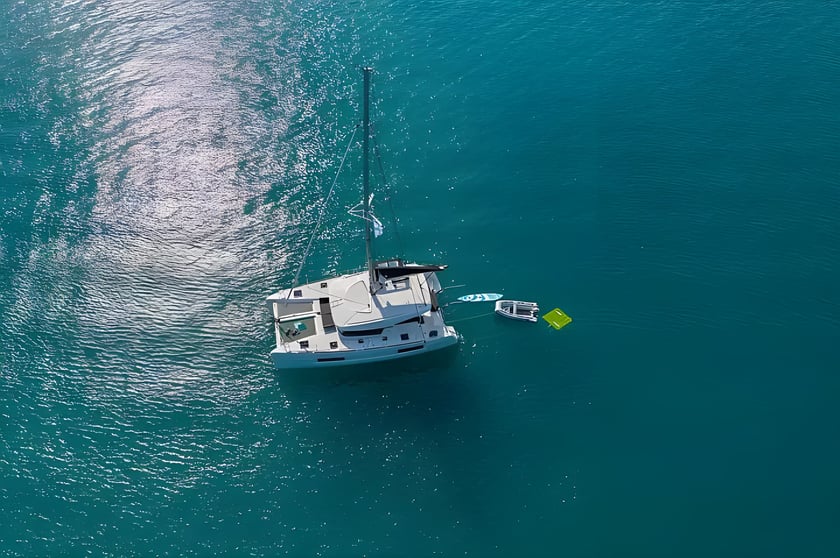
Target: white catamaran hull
(337,322)
(289,360)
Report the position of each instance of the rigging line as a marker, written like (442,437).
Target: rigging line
(388,191)
(324,207)
(414,299)
(385,184)
(471,318)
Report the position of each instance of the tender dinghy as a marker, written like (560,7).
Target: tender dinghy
(518,310)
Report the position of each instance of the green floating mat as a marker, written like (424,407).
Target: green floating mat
(557,318)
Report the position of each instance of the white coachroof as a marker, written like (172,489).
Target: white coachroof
(354,308)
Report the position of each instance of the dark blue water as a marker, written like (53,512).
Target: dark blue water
(665,172)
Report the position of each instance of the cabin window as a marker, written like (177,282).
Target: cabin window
(361,340)
(304,344)
(384,337)
(404,336)
(433,333)
(362,332)
(297,293)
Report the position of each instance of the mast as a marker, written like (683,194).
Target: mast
(366,181)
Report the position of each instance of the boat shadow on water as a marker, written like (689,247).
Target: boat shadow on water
(387,372)
(406,389)
(399,421)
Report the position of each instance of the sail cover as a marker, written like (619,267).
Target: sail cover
(407,269)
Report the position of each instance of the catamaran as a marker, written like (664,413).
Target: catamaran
(388,311)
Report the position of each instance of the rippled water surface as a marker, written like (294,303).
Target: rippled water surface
(667,173)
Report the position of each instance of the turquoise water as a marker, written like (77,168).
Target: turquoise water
(665,172)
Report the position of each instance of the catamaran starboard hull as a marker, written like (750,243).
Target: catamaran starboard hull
(296,361)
